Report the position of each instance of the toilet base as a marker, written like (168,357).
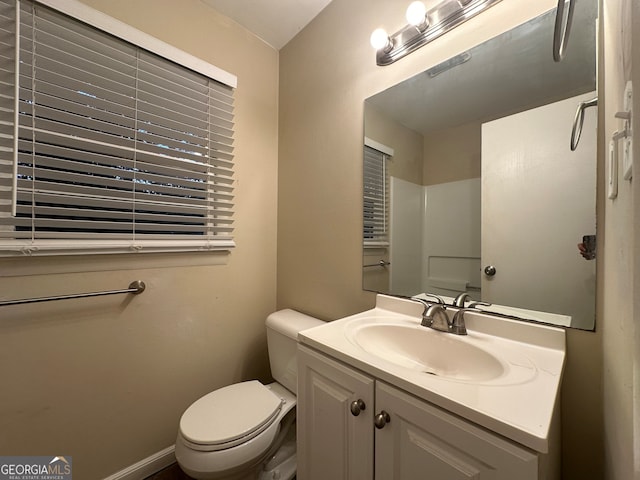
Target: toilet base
(283,464)
(274,463)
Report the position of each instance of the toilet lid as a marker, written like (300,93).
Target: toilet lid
(230,413)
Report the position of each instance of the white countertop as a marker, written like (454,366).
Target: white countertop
(518,405)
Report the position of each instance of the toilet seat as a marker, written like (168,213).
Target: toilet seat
(230,416)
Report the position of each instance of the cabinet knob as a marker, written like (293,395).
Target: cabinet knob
(381,419)
(356,407)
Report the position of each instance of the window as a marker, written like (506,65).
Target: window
(105,146)
(376,194)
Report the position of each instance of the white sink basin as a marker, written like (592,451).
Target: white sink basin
(425,350)
(504,375)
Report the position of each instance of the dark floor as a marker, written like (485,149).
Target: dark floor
(172,472)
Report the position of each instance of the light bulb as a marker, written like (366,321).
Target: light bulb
(416,14)
(380,39)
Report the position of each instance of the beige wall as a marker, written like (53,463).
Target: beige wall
(635,343)
(106,380)
(325,74)
(407,162)
(452,154)
(621,272)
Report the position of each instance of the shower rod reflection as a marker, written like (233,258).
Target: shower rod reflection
(135,288)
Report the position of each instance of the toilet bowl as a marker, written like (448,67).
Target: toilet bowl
(246,431)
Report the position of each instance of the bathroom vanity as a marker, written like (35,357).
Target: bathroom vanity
(382,397)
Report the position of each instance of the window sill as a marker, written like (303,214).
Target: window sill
(33,265)
(17,248)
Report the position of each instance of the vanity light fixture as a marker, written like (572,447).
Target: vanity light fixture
(380,40)
(424,25)
(417,16)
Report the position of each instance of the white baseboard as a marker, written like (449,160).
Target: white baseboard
(147,466)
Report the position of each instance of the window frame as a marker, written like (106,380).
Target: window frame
(127,33)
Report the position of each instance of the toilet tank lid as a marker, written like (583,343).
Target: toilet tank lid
(290,322)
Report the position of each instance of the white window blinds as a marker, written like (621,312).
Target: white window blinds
(375,202)
(117,148)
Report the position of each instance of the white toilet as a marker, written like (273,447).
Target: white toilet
(247,430)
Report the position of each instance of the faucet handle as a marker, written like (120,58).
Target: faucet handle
(477,304)
(423,301)
(436,297)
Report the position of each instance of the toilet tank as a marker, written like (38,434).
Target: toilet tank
(282,339)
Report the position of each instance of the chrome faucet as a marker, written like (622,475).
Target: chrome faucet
(457,323)
(435,316)
(432,311)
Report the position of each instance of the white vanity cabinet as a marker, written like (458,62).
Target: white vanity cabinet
(333,443)
(337,439)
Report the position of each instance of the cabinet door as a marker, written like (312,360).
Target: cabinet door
(333,443)
(423,442)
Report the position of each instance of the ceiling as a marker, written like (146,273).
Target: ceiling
(274,21)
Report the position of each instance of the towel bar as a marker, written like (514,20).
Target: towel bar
(135,287)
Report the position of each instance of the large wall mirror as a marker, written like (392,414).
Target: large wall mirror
(480,190)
